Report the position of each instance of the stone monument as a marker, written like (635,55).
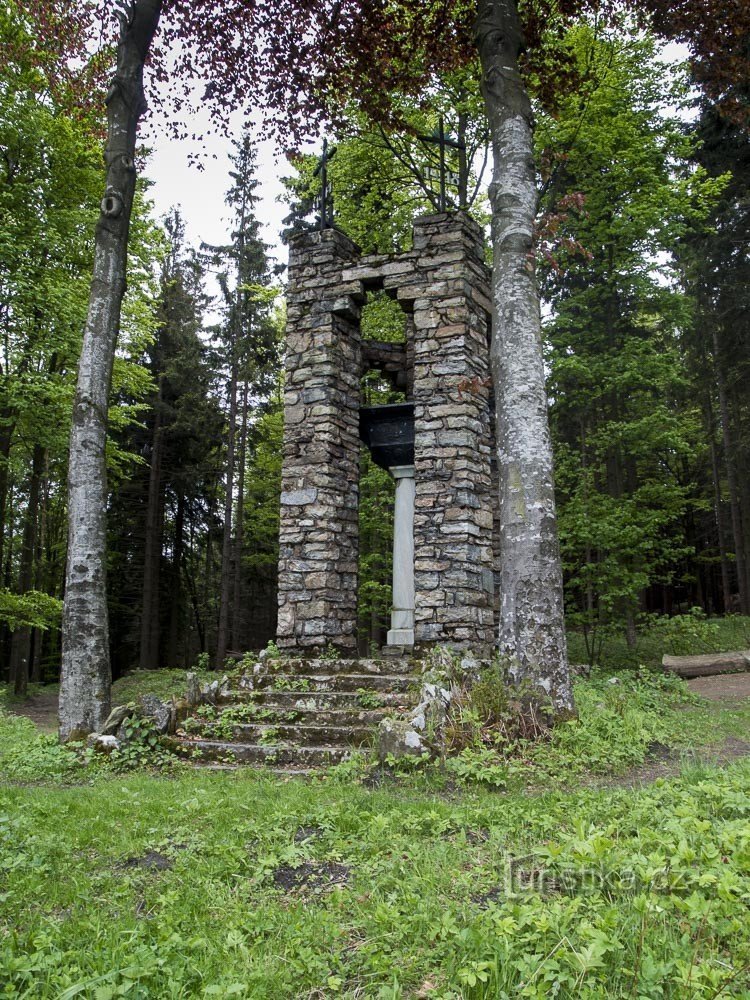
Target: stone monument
(438,445)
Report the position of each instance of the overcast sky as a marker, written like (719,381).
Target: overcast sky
(200,193)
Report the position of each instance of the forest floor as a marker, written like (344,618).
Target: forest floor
(614,861)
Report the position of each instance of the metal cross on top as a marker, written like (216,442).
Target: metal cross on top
(325,218)
(441,140)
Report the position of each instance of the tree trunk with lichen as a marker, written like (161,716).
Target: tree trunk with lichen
(86,674)
(532,626)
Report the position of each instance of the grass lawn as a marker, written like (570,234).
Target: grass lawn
(584,879)
(678,636)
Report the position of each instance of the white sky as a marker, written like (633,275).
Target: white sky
(200,193)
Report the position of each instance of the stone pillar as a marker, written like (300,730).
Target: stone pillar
(402,615)
(453,518)
(319,531)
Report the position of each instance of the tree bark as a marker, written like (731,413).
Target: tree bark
(176,641)
(7,427)
(86,677)
(532,628)
(710,423)
(149,649)
(40,584)
(239,528)
(20,650)
(225,593)
(729,459)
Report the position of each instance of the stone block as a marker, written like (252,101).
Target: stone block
(398,738)
(298,498)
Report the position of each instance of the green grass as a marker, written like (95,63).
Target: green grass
(239,885)
(681,635)
(162,683)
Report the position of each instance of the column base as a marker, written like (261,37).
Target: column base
(401,637)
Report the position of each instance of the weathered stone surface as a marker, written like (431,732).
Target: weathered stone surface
(433,705)
(159,712)
(193,695)
(116,718)
(318,558)
(443,285)
(298,498)
(102,743)
(398,738)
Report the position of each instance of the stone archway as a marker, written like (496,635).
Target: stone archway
(443,286)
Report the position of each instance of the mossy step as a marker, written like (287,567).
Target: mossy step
(316,716)
(393,683)
(316,701)
(279,755)
(323,666)
(307,734)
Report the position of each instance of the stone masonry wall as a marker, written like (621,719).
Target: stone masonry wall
(454,507)
(443,286)
(319,534)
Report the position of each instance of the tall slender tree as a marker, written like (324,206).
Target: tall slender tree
(247,338)
(85,683)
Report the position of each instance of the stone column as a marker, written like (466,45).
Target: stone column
(402,615)
(454,511)
(319,531)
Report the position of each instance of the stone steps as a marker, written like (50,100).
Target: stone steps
(311,713)
(278,755)
(308,733)
(303,667)
(339,681)
(310,700)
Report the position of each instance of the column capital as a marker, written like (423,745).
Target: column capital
(401,471)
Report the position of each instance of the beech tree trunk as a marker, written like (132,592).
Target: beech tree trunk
(239,529)
(86,678)
(532,627)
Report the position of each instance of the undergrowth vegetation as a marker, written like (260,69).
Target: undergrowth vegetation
(681,635)
(502,871)
(216,885)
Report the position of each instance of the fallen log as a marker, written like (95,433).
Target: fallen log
(708,664)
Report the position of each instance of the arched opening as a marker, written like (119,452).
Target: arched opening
(384,383)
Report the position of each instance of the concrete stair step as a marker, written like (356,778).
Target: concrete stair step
(306,734)
(315,701)
(321,666)
(277,755)
(392,683)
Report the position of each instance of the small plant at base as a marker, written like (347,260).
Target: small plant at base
(291,684)
(272,651)
(330,653)
(686,633)
(142,747)
(368,699)
(202,661)
(269,736)
(479,765)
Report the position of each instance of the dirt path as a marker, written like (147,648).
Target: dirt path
(663,762)
(41,709)
(722,687)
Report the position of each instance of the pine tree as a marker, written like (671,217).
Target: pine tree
(247,339)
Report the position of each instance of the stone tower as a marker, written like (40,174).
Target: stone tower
(437,445)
